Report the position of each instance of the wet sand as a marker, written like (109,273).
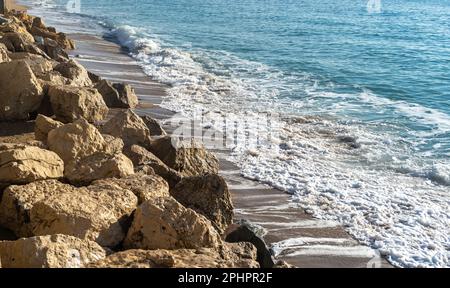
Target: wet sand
(314,243)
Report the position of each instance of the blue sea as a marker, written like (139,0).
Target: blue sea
(361,95)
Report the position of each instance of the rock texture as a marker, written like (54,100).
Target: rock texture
(163,223)
(154,126)
(20,92)
(189,158)
(43,126)
(77,74)
(145,187)
(51,251)
(182,258)
(129,127)
(117,95)
(4,53)
(72,103)
(142,157)
(21,164)
(207,195)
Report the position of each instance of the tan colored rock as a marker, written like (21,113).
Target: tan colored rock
(163,223)
(20,164)
(97,212)
(38,64)
(142,157)
(189,158)
(20,92)
(129,127)
(113,145)
(98,166)
(17,202)
(207,195)
(17,27)
(182,258)
(72,103)
(43,126)
(56,52)
(76,140)
(117,95)
(52,251)
(4,53)
(145,187)
(154,126)
(75,72)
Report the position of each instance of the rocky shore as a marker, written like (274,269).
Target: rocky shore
(96,185)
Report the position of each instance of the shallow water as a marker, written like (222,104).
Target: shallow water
(359,102)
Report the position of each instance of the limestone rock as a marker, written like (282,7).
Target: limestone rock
(181,258)
(98,166)
(129,127)
(76,140)
(4,54)
(51,251)
(56,52)
(145,187)
(142,157)
(207,195)
(154,126)
(43,126)
(189,158)
(20,164)
(18,200)
(20,92)
(117,95)
(163,223)
(75,72)
(113,145)
(72,103)
(95,213)
(38,64)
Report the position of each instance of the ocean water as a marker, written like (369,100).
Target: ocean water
(358,100)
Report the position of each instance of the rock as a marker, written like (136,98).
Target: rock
(43,126)
(182,258)
(76,140)
(72,103)
(242,233)
(98,212)
(20,92)
(189,158)
(127,96)
(60,38)
(51,251)
(38,64)
(55,52)
(154,126)
(98,166)
(113,145)
(20,164)
(77,74)
(94,78)
(163,223)
(142,157)
(4,54)
(15,26)
(121,97)
(16,42)
(129,127)
(207,195)
(17,202)
(145,187)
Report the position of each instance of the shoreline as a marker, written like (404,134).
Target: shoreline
(248,195)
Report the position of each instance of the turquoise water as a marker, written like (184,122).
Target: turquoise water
(379,80)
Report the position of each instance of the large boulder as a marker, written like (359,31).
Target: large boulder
(20,92)
(209,196)
(163,223)
(56,52)
(51,251)
(145,187)
(129,127)
(38,64)
(21,164)
(154,126)
(72,103)
(142,157)
(43,125)
(181,258)
(76,140)
(189,158)
(77,74)
(4,54)
(17,202)
(98,212)
(98,166)
(117,95)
